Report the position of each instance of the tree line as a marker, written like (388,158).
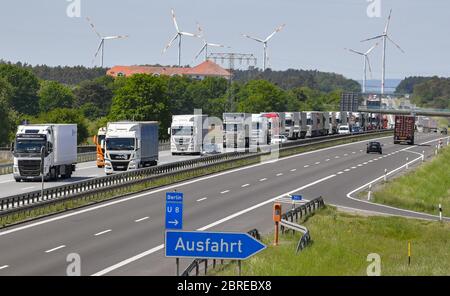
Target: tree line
(93,102)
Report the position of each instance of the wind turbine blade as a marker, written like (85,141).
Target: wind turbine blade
(373,38)
(188,34)
(388,22)
(93,27)
(98,50)
(115,37)
(253,38)
(354,51)
(370,68)
(199,30)
(371,49)
(276,31)
(215,45)
(398,46)
(175,21)
(200,52)
(170,43)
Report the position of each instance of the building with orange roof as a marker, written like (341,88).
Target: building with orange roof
(200,72)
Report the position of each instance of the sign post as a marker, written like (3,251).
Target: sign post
(277,220)
(174,215)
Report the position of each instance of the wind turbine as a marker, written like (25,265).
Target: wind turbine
(178,35)
(102,40)
(264,42)
(365,55)
(385,37)
(206,44)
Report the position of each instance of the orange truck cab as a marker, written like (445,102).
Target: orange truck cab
(99,141)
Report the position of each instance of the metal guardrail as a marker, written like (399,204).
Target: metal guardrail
(124,181)
(300,212)
(196,263)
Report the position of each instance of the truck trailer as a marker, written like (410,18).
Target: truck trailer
(236,130)
(404,129)
(131,145)
(260,132)
(188,133)
(59,144)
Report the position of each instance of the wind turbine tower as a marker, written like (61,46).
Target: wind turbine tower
(365,55)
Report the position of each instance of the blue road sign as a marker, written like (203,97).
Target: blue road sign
(174,210)
(211,245)
(297,197)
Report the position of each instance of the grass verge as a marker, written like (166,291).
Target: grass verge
(422,189)
(108,194)
(341,243)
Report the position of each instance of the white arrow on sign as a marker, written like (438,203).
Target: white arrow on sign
(174,222)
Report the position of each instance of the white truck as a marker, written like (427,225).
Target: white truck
(188,133)
(295,125)
(236,130)
(274,124)
(131,145)
(260,131)
(60,153)
(314,121)
(333,127)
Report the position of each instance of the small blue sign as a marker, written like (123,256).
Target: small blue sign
(174,210)
(214,245)
(297,197)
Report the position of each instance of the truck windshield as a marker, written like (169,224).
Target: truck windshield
(289,122)
(182,131)
(100,138)
(29,146)
(120,144)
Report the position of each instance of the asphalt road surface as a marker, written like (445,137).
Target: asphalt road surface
(84,171)
(126,236)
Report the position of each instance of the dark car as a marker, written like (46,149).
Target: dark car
(210,149)
(374,147)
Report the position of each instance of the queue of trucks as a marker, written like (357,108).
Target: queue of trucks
(123,146)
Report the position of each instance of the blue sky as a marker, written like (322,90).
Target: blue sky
(316,32)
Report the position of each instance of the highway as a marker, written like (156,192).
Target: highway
(126,236)
(84,171)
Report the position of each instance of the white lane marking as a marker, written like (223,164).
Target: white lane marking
(353,168)
(224,192)
(360,150)
(164,189)
(263,179)
(360,165)
(370,160)
(27,188)
(202,199)
(340,173)
(245,185)
(160,247)
(353,152)
(103,232)
(317,162)
(327,159)
(280,174)
(347,170)
(293,170)
(9,181)
(140,220)
(365,163)
(345,154)
(336,157)
(3,267)
(306,166)
(54,249)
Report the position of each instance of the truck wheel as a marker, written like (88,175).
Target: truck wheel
(18,180)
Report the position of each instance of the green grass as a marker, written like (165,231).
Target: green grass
(422,189)
(341,243)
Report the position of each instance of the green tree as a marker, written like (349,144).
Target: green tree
(54,95)
(142,97)
(8,117)
(65,115)
(97,93)
(261,96)
(25,86)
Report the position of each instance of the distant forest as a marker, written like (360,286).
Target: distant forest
(286,80)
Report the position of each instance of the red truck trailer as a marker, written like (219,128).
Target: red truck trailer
(404,129)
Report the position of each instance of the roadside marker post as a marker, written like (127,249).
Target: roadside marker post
(440,212)
(423,155)
(369,194)
(407,163)
(277,220)
(385,175)
(409,253)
